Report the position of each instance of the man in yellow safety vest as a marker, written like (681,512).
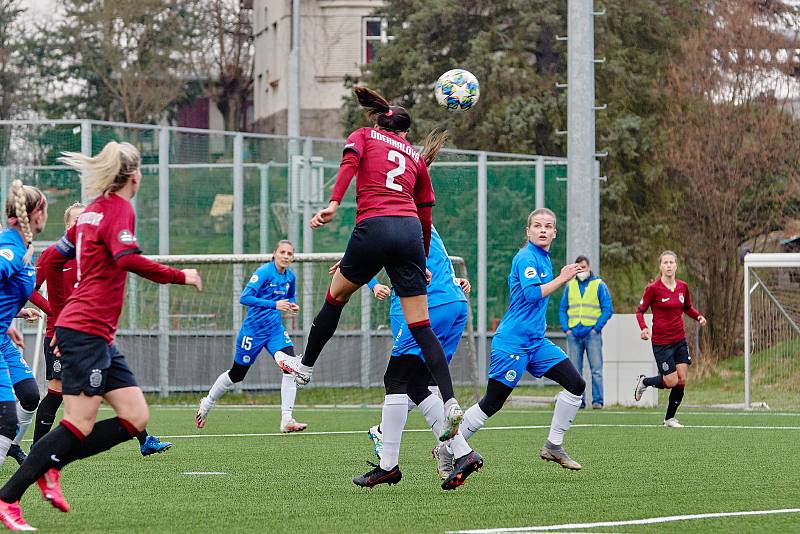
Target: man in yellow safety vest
(585,309)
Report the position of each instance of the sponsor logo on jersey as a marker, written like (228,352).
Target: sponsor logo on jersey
(126,237)
(95,378)
(349,145)
(254,279)
(511,375)
(530,272)
(90,217)
(665,300)
(7,253)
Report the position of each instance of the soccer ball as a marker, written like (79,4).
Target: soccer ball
(457,90)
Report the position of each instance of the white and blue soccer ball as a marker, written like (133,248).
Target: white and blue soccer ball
(457,90)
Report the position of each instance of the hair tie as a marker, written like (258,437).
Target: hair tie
(12,221)
(388,113)
(40,204)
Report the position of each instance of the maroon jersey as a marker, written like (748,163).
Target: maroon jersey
(105,248)
(58,293)
(668,308)
(391,176)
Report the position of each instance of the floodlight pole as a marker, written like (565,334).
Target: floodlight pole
(293,85)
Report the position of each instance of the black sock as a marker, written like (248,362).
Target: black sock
(654,381)
(322,329)
(105,434)
(49,452)
(675,398)
(434,357)
(46,414)
(142,436)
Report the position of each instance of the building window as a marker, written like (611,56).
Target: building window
(375,32)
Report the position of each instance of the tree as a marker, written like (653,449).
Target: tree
(731,154)
(10,44)
(124,60)
(228,66)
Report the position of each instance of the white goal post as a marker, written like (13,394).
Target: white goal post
(771,326)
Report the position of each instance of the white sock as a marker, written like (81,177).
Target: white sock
(459,446)
(5,444)
(221,385)
(24,419)
(432,409)
(435,391)
(567,406)
(288,394)
(411,405)
(474,419)
(395,413)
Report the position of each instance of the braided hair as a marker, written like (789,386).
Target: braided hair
(23,201)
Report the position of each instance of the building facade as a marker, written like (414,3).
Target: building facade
(336,38)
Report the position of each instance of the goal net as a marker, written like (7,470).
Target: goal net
(179,340)
(772,329)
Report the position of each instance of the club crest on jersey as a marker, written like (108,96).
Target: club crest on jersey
(530,272)
(7,253)
(246,359)
(126,237)
(254,279)
(665,366)
(57,366)
(511,375)
(95,378)
(680,297)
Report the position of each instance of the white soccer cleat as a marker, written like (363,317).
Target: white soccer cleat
(640,388)
(290,425)
(672,423)
(453,415)
(202,414)
(444,460)
(293,365)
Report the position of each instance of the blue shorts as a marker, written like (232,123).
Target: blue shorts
(447,322)
(6,387)
(509,368)
(248,346)
(18,368)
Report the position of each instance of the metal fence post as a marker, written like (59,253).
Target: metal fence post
(86,149)
(366,338)
(238,225)
(163,249)
(3,185)
(539,182)
(482,263)
(308,242)
(746,335)
(263,212)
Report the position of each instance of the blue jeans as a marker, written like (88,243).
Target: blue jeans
(592,345)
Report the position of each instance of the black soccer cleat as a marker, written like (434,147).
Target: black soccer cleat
(463,468)
(16,452)
(378,476)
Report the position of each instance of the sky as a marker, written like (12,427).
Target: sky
(38,10)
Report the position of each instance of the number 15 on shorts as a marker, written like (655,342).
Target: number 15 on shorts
(247,342)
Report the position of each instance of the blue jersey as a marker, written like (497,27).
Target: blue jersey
(266,287)
(443,288)
(17,279)
(524,324)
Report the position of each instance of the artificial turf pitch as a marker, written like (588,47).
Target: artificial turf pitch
(266,482)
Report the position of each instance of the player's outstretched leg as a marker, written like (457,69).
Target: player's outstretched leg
(222,385)
(151,444)
(567,405)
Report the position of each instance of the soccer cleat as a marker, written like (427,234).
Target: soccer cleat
(672,423)
(51,489)
(201,415)
(376,436)
(464,466)
(640,388)
(152,445)
(559,455)
(378,476)
(444,460)
(16,452)
(11,516)
(290,425)
(293,365)
(453,415)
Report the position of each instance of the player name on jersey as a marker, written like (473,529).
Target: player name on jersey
(399,145)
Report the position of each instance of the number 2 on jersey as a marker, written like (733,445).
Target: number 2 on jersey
(396,157)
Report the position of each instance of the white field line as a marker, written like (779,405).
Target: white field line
(646,521)
(493,428)
(204,473)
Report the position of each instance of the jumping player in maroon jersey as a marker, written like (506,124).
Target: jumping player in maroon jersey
(393,229)
(46,413)
(669,299)
(104,244)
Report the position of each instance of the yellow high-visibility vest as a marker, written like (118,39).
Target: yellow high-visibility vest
(583,309)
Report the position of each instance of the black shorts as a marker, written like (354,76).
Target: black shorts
(667,356)
(392,243)
(52,362)
(90,364)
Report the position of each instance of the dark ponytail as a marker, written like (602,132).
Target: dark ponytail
(433,144)
(381,112)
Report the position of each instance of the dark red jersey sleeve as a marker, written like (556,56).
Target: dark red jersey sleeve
(40,265)
(426,219)
(38,300)
(423,188)
(347,170)
(644,304)
(147,268)
(687,306)
(117,232)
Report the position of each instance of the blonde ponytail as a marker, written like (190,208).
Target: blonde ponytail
(22,201)
(108,171)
